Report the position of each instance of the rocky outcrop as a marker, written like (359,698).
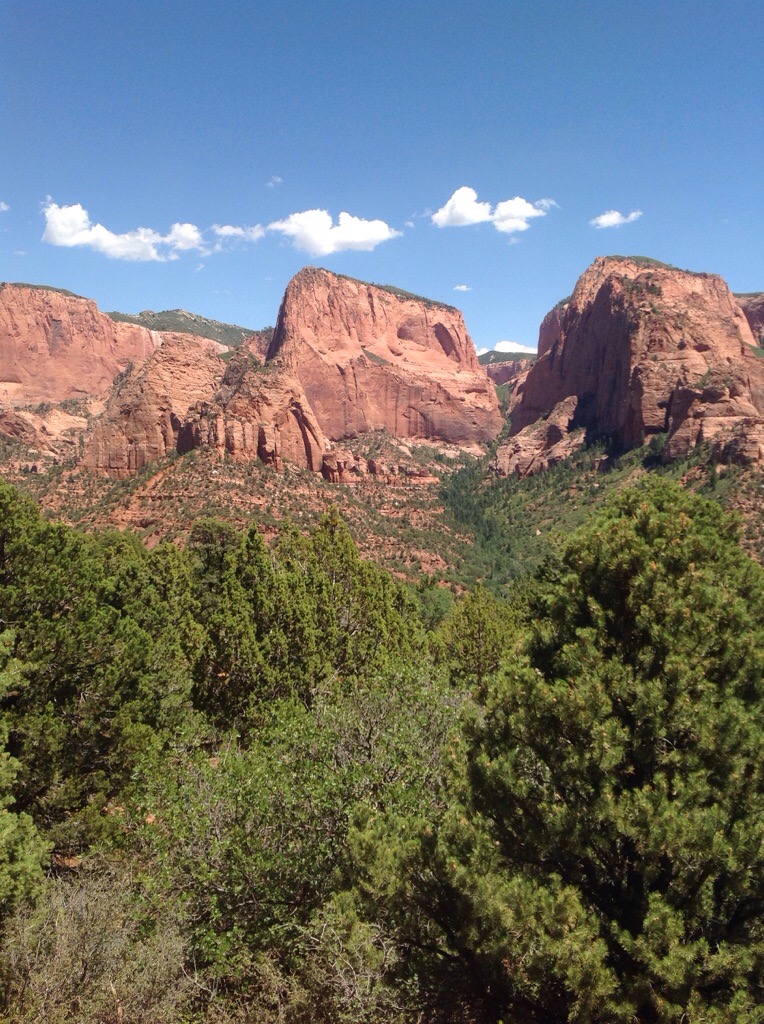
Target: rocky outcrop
(373,359)
(55,345)
(346,358)
(257,412)
(536,448)
(752,306)
(644,349)
(551,325)
(148,409)
(506,372)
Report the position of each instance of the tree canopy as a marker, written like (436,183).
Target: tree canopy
(601,856)
(243,781)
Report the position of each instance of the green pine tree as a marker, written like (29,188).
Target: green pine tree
(602,858)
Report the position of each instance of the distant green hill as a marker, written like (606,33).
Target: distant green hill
(190,323)
(504,357)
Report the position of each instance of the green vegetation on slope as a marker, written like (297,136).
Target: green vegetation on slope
(517,523)
(399,293)
(190,323)
(487,358)
(597,856)
(39,287)
(243,784)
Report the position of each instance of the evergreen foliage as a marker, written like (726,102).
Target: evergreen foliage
(268,783)
(601,859)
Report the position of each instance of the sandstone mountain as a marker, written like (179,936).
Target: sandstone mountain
(509,370)
(146,411)
(257,412)
(55,345)
(371,358)
(346,358)
(180,321)
(639,349)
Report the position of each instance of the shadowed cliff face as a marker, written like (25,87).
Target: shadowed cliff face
(643,349)
(369,359)
(258,412)
(753,310)
(146,411)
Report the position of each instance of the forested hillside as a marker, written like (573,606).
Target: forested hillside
(244,783)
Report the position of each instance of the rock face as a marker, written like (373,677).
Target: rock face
(753,310)
(644,349)
(542,445)
(346,358)
(504,373)
(257,412)
(55,345)
(147,410)
(372,359)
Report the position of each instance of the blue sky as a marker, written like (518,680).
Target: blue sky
(466,145)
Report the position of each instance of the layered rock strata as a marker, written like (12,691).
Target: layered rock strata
(346,358)
(257,412)
(505,373)
(643,349)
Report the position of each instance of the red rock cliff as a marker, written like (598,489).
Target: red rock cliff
(146,412)
(257,412)
(645,349)
(54,345)
(753,310)
(371,359)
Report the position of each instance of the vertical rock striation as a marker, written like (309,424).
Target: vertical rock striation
(644,349)
(373,359)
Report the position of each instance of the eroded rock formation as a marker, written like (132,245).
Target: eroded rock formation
(346,358)
(147,410)
(643,349)
(506,372)
(753,310)
(257,412)
(55,345)
(372,359)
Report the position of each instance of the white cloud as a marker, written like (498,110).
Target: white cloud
(461,209)
(514,214)
(513,346)
(462,288)
(71,226)
(409,224)
(273,181)
(251,234)
(614,219)
(508,216)
(314,233)
(183,237)
(4,207)
(509,346)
